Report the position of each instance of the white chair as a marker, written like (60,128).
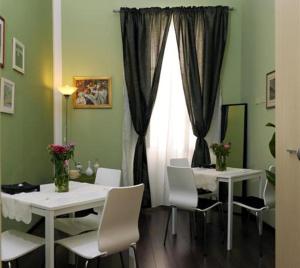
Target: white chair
(108,177)
(180,162)
(258,205)
(118,229)
(15,244)
(183,195)
(184,162)
(75,226)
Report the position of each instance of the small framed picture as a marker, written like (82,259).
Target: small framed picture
(18,56)
(7,96)
(270,90)
(92,92)
(2,41)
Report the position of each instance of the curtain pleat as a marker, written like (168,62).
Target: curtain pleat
(201,34)
(144,35)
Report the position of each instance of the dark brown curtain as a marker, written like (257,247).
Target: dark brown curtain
(144,36)
(201,37)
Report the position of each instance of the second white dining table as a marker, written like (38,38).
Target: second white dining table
(230,176)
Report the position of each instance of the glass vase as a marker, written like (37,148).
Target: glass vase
(221,163)
(61,179)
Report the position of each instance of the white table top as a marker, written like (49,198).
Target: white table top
(207,178)
(227,174)
(79,194)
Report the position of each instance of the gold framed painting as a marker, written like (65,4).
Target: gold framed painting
(92,92)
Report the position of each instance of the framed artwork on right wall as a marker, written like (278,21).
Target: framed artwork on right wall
(270,90)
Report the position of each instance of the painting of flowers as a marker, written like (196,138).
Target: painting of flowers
(92,92)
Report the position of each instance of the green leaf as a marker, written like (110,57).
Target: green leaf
(271,177)
(272,141)
(270,125)
(272,146)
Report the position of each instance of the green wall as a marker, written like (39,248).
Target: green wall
(235,135)
(258,58)
(25,135)
(92,46)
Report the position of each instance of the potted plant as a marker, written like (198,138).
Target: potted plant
(60,156)
(221,150)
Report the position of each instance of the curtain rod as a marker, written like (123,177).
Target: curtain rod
(118,10)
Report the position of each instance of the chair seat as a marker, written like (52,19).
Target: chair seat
(84,245)
(15,244)
(205,193)
(202,191)
(250,202)
(75,226)
(206,204)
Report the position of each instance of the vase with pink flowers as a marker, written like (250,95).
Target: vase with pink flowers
(60,156)
(221,150)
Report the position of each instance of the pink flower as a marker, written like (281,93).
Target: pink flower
(227,146)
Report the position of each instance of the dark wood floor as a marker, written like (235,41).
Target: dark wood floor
(182,251)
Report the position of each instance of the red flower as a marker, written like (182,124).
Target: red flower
(61,152)
(58,149)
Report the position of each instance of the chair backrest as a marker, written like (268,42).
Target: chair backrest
(182,188)
(269,191)
(108,177)
(118,227)
(180,162)
(272,168)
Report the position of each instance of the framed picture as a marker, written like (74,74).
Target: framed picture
(270,90)
(7,96)
(18,56)
(92,92)
(2,41)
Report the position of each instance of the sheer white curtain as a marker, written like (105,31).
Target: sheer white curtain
(129,141)
(170,134)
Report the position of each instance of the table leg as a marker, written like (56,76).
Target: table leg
(261,190)
(49,237)
(230,215)
(174,216)
(71,254)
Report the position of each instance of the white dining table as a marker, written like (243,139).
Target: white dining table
(230,176)
(50,204)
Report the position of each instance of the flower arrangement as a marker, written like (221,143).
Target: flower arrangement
(61,152)
(221,150)
(60,156)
